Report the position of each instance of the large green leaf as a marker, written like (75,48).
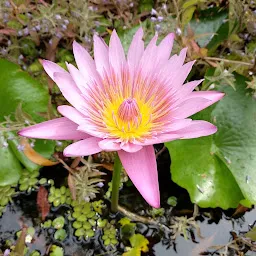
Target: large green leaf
(207,24)
(18,87)
(10,167)
(220,36)
(220,170)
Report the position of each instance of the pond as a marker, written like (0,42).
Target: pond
(217,227)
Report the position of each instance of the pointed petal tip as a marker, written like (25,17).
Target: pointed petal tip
(140,31)
(155,204)
(152,199)
(75,43)
(26,132)
(22,132)
(171,36)
(77,47)
(66,153)
(222,94)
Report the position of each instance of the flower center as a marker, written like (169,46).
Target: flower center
(129,111)
(127,119)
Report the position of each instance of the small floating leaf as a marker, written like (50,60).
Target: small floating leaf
(60,234)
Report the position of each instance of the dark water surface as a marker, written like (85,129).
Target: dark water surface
(24,211)
(215,229)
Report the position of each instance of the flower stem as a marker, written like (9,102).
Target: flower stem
(115,184)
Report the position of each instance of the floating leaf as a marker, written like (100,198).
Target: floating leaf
(56,251)
(60,234)
(133,252)
(18,152)
(207,24)
(219,170)
(59,222)
(139,244)
(21,116)
(42,202)
(19,87)
(139,241)
(10,167)
(220,36)
(23,97)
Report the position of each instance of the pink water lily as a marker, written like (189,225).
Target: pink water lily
(127,104)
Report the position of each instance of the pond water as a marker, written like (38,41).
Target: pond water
(215,224)
(24,211)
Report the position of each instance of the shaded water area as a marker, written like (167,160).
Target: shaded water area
(24,211)
(216,226)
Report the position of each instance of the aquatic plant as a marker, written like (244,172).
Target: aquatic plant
(127,105)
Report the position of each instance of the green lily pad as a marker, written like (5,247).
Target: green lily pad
(10,167)
(207,24)
(219,170)
(220,37)
(18,87)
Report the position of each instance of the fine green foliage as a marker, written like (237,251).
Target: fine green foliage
(219,170)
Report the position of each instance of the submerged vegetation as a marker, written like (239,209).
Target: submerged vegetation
(63,204)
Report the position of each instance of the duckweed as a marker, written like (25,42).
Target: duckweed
(59,196)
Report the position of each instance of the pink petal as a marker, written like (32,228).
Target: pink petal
(184,92)
(147,62)
(130,147)
(101,55)
(161,138)
(142,170)
(182,56)
(180,76)
(83,147)
(116,53)
(82,57)
(51,67)
(109,145)
(56,129)
(69,90)
(213,96)
(85,64)
(187,88)
(177,125)
(77,77)
(88,127)
(197,129)
(190,107)
(136,50)
(170,67)
(165,47)
(71,113)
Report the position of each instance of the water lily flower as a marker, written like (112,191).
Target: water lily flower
(126,104)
